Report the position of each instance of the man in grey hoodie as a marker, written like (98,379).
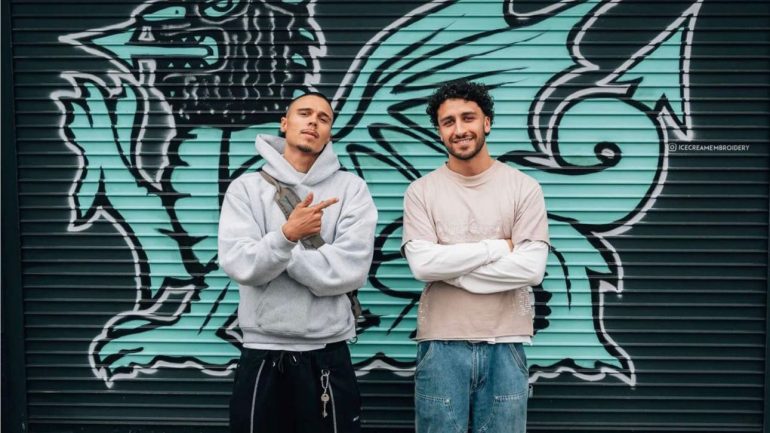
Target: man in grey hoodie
(295,372)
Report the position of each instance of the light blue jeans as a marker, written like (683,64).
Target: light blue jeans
(461,385)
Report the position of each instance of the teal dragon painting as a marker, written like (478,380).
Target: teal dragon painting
(169,121)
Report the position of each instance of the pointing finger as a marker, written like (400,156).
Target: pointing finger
(326,203)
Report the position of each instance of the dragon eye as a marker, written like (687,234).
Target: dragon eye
(167,13)
(220,8)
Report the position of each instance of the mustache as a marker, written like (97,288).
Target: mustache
(310,131)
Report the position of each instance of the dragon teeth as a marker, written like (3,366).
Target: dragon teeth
(146,34)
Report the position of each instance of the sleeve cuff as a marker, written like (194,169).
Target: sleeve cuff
(282,245)
(527,245)
(496,249)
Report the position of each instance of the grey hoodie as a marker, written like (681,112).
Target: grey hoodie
(288,294)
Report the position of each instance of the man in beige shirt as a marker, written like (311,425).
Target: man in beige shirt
(476,231)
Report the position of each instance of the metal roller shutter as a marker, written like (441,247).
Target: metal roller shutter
(646,122)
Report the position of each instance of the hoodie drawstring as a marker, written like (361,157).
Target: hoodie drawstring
(283,357)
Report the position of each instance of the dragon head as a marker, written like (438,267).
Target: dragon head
(231,63)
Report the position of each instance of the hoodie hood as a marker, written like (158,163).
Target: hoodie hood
(271,148)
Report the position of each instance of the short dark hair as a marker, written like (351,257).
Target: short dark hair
(461,89)
(319,94)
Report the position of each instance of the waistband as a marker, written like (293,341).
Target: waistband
(330,347)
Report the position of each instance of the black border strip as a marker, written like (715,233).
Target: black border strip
(766,406)
(14,374)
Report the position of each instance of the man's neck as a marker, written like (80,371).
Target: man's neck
(301,161)
(477,165)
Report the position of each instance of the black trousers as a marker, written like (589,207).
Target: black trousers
(281,392)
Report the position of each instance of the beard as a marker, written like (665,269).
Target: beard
(479,143)
(305,149)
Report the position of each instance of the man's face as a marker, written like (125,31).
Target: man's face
(308,124)
(462,127)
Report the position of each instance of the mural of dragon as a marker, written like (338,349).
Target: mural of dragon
(161,132)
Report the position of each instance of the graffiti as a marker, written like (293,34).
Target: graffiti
(160,133)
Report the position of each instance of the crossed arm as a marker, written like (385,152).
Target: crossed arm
(342,265)
(251,256)
(246,253)
(482,267)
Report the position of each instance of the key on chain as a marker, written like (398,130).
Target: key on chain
(324,388)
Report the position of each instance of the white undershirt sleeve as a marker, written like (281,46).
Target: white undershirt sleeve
(524,267)
(433,262)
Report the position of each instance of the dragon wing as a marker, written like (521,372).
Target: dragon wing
(593,132)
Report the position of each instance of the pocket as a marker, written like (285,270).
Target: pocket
(247,376)
(338,379)
(436,412)
(424,352)
(249,360)
(509,413)
(289,309)
(519,357)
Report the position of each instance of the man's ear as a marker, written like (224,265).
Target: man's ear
(283,125)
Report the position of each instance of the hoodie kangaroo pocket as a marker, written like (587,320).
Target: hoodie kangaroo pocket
(292,310)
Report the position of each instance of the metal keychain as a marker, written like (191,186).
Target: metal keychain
(324,387)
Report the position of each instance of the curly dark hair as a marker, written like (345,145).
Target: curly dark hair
(461,89)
